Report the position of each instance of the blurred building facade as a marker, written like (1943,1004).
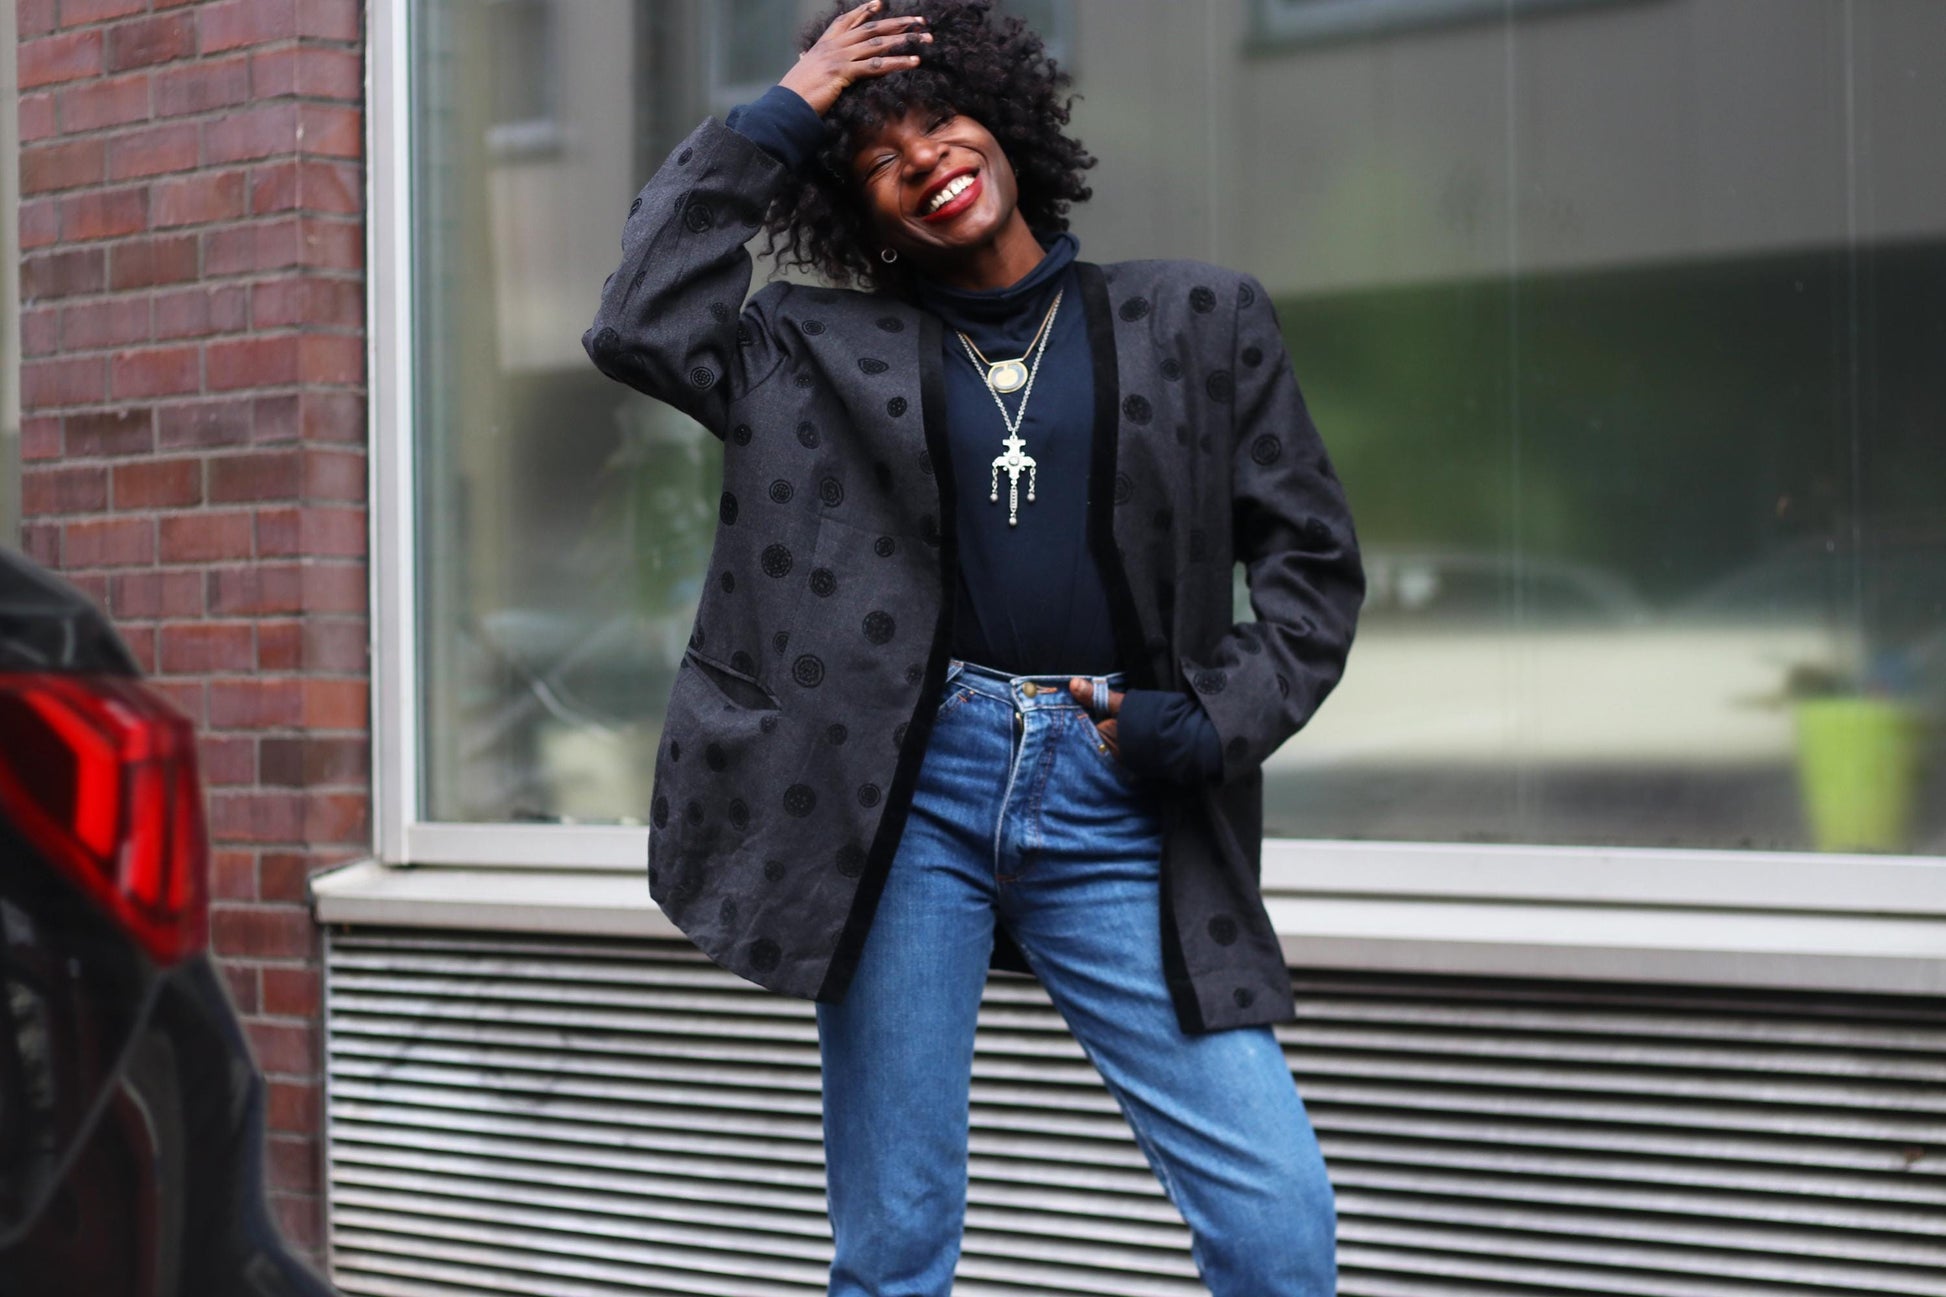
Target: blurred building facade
(1613,877)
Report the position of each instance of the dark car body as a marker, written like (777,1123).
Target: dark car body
(131,1111)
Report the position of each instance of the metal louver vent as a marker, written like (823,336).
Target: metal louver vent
(593,1118)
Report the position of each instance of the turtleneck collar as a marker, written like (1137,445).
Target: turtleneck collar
(970,309)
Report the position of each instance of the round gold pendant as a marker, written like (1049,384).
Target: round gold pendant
(1007,376)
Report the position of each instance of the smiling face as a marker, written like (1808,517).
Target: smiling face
(941,191)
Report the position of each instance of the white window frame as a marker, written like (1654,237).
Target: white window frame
(1818,908)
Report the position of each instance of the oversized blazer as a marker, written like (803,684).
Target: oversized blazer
(801,709)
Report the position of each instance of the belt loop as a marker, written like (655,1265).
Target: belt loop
(1098,697)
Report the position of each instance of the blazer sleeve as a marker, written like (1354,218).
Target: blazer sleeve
(1261,680)
(672,322)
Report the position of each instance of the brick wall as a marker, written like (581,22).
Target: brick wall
(193,439)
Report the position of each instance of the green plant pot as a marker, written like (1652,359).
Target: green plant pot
(1858,772)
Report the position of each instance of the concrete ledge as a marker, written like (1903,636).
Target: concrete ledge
(1791,950)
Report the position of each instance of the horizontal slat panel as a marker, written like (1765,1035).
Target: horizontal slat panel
(515,1116)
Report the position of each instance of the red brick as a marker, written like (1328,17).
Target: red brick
(228,760)
(232,24)
(113,322)
(261,245)
(292,992)
(49,59)
(337,644)
(40,438)
(37,117)
(336,475)
(75,381)
(336,704)
(280,645)
(147,41)
(45,491)
(42,542)
(310,184)
(338,816)
(276,417)
(206,537)
(256,475)
(141,646)
(334,416)
(241,981)
(315,761)
(308,300)
(201,87)
(194,200)
(233,875)
(155,371)
(35,18)
(203,424)
(200,648)
(105,214)
(40,332)
(64,273)
(296,1107)
(126,431)
(255,815)
(300,1216)
(282,1048)
(333,244)
(74,13)
(160,259)
(256,590)
(50,167)
(254,362)
(115,101)
(159,484)
(291,1162)
(154,151)
(331,358)
(156,594)
(312,531)
(108,542)
(260,130)
(187,695)
(283,875)
(200,311)
(335,587)
(331,20)
(40,223)
(331,130)
(309,72)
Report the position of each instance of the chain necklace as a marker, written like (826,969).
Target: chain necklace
(1012,459)
(1008,375)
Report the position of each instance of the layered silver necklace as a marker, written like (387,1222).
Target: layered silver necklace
(1009,376)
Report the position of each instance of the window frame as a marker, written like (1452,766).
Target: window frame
(1279,24)
(1427,880)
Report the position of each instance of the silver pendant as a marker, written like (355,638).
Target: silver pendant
(1006,376)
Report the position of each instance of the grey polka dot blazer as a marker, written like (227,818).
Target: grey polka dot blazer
(815,667)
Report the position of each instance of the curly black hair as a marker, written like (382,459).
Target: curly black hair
(986,64)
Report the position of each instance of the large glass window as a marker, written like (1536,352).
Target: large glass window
(1622,319)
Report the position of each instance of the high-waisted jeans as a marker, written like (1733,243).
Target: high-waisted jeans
(1022,816)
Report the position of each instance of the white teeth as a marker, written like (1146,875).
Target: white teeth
(953,189)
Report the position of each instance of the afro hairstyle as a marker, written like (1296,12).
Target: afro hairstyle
(981,62)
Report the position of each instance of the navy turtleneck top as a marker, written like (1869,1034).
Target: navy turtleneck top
(1030,599)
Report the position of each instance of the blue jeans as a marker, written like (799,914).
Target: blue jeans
(1021,816)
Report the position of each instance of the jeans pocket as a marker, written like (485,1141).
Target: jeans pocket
(954,696)
(1087,734)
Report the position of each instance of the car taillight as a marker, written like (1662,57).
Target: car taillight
(99,773)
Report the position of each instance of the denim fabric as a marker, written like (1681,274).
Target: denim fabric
(1021,816)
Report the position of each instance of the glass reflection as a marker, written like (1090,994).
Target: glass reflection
(1620,317)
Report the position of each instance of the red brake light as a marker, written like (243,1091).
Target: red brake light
(99,773)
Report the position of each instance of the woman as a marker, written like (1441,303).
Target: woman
(964,678)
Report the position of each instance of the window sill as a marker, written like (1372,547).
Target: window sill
(1793,950)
